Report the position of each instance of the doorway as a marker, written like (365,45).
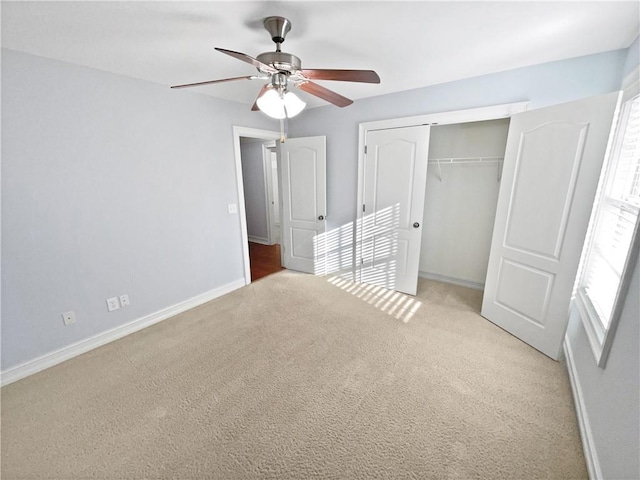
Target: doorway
(261,198)
(450,145)
(298,195)
(256,135)
(463,180)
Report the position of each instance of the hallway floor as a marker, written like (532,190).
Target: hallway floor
(265,260)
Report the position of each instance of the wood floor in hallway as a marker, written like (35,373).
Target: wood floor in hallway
(265,260)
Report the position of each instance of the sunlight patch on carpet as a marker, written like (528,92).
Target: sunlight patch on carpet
(398,305)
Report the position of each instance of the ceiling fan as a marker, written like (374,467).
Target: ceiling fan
(283,71)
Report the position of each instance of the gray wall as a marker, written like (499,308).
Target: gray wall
(633,56)
(254,189)
(611,395)
(110,185)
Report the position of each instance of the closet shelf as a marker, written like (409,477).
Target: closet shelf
(466,161)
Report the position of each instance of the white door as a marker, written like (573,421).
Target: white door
(395,177)
(303,176)
(551,169)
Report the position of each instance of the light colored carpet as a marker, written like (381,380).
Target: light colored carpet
(301,377)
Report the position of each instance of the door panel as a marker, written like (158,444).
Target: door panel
(525,290)
(303,176)
(303,171)
(395,175)
(551,170)
(537,223)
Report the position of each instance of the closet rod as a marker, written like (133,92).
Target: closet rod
(467,160)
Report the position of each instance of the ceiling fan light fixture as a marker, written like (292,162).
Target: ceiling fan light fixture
(271,104)
(293,104)
(285,69)
(278,106)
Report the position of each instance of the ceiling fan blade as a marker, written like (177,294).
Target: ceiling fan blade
(364,76)
(324,93)
(264,88)
(212,81)
(263,67)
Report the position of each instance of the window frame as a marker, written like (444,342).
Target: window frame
(601,337)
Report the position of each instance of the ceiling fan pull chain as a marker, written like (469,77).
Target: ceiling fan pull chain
(283,136)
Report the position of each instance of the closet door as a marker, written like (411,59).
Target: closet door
(395,175)
(551,169)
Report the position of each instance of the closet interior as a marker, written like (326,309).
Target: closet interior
(463,180)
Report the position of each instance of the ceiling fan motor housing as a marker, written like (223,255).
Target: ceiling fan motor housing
(285,62)
(278,27)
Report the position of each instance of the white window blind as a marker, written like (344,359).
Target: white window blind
(616,218)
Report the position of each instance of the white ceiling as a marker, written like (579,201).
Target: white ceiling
(409,44)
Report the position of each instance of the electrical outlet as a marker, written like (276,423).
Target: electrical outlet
(124,300)
(233,208)
(112,304)
(69,317)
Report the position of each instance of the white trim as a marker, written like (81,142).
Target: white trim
(445,118)
(267,190)
(453,281)
(58,356)
(590,452)
(260,240)
(242,209)
(591,323)
(273,222)
(442,118)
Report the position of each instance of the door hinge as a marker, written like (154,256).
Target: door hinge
(363,207)
(365,149)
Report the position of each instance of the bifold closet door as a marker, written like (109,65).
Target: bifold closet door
(551,170)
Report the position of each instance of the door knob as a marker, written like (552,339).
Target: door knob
(416,224)
(321,217)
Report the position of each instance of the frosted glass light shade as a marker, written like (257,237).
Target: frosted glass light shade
(272,104)
(293,104)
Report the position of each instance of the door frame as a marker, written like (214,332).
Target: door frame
(239,131)
(267,151)
(493,112)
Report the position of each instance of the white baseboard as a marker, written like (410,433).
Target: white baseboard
(263,241)
(453,281)
(590,453)
(58,356)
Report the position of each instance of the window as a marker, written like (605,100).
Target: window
(610,247)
